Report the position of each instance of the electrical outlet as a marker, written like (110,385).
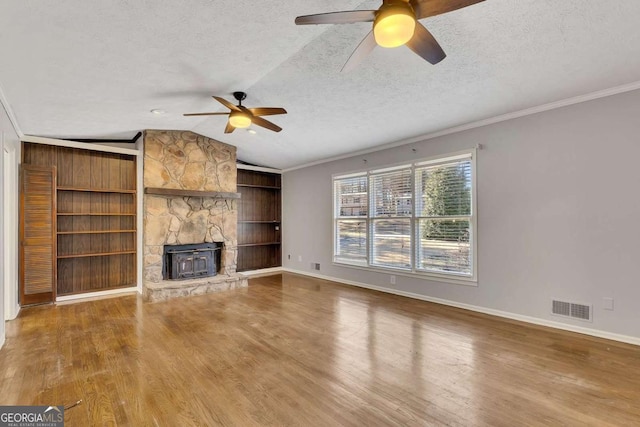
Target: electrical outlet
(607,303)
(392,279)
(299,258)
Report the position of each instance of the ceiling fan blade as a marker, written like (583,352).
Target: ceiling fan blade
(424,44)
(348,17)
(226,103)
(267,111)
(426,8)
(364,48)
(265,124)
(229,128)
(206,114)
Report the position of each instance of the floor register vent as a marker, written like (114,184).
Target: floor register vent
(572,309)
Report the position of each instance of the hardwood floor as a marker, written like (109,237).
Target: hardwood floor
(293,350)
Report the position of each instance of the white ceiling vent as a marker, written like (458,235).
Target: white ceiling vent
(572,309)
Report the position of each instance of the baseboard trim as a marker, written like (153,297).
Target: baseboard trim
(2,339)
(262,272)
(13,313)
(89,295)
(499,313)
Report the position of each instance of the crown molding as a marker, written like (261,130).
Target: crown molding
(258,168)
(84,146)
(9,111)
(480,123)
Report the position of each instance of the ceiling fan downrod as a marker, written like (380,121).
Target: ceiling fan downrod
(240,96)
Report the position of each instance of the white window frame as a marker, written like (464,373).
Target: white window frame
(337,219)
(452,277)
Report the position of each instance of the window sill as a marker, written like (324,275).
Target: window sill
(424,276)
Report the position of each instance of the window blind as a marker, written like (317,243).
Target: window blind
(351,196)
(443,214)
(392,202)
(391,193)
(351,205)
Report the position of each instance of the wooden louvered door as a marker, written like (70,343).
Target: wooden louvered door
(37,234)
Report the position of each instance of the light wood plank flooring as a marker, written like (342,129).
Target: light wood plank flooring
(293,350)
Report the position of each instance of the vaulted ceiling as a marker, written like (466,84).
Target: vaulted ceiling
(95,69)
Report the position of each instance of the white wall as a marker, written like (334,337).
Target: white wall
(558,209)
(2,244)
(9,157)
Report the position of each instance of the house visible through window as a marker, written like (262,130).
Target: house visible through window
(417,217)
(351,218)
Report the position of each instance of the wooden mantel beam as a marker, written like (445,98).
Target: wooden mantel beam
(190,193)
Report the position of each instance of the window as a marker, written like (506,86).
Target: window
(351,218)
(443,217)
(391,217)
(416,217)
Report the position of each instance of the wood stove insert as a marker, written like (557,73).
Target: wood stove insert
(182,262)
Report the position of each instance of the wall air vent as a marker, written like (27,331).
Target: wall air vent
(572,309)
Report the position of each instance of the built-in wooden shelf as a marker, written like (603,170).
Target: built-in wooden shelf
(190,193)
(96,254)
(86,291)
(258,244)
(272,187)
(259,220)
(95,217)
(96,232)
(94,214)
(97,190)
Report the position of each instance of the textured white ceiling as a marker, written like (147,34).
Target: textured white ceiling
(95,69)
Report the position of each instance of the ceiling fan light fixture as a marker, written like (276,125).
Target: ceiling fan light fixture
(395,24)
(239,119)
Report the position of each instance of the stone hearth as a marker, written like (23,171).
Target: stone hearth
(177,160)
(167,289)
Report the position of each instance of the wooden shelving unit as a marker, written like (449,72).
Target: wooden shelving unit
(95,254)
(96,232)
(97,190)
(259,220)
(94,214)
(273,187)
(258,244)
(96,217)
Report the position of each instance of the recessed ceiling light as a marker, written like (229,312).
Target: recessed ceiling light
(157,111)
(251,131)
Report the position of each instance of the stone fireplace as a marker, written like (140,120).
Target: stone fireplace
(190,198)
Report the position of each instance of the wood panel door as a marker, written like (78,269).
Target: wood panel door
(37,234)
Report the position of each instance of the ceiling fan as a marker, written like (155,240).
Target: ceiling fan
(395,24)
(242,117)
